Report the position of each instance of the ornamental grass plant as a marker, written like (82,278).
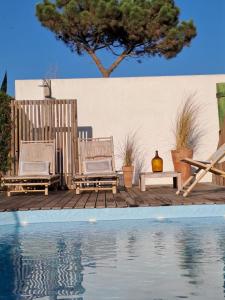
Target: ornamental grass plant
(187,134)
(187,130)
(129,149)
(129,154)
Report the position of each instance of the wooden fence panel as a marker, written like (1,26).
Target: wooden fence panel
(47,120)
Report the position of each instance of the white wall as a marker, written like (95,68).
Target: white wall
(148,105)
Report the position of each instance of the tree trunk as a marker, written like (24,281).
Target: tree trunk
(221,112)
(107,72)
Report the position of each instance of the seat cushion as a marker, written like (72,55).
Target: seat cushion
(97,166)
(35,168)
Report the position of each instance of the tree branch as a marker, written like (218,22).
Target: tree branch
(120,58)
(106,72)
(97,61)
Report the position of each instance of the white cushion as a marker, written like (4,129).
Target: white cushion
(34,168)
(97,166)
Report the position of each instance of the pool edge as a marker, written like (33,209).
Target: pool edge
(21,218)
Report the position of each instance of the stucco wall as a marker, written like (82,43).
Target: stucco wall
(148,105)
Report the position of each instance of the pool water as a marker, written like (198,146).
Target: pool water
(135,260)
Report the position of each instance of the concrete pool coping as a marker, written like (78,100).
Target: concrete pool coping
(22,218)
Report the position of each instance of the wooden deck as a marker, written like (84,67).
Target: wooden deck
(154,196)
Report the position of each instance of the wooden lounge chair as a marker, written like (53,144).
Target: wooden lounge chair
(203,167)
(36,168)
(96,165)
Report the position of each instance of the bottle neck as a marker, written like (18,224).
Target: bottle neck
(156,153)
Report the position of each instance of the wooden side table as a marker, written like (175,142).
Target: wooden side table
(175,175)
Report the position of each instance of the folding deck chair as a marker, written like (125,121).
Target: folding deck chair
(203,167)
(96,165)
(36,168)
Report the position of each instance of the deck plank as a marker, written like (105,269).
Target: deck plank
(110,201)
(73,200)
(101,200)
(153,196)
(40,202)
(14,203)
(120,202)
(91,201)
(82,200)
(140,199)
(55,202)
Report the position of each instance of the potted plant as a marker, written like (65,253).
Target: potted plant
(129,151)
(187,135)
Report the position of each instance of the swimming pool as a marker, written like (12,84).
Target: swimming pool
(129,259)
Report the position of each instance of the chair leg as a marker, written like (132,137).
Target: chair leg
(46,190)
(114,190)
(142,183)
(185,184)
(194,183)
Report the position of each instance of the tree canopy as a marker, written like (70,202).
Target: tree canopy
(126,28)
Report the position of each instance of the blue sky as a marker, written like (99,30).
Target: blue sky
(29,51)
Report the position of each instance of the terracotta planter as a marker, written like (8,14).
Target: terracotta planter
(128,176)
(179,166)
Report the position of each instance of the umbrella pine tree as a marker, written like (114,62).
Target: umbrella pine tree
(126,28)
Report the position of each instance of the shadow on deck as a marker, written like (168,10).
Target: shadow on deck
(153,196)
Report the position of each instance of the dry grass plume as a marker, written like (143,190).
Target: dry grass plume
(187,131)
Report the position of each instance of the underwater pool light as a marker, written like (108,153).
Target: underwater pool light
(24,223)
(92,220)
(160,218)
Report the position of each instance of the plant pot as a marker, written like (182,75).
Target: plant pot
(184,168)
(128,172)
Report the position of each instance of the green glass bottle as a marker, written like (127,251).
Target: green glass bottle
(157,163)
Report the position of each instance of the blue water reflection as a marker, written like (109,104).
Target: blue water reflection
(168,259)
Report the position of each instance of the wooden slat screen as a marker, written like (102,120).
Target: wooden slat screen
(36,120)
